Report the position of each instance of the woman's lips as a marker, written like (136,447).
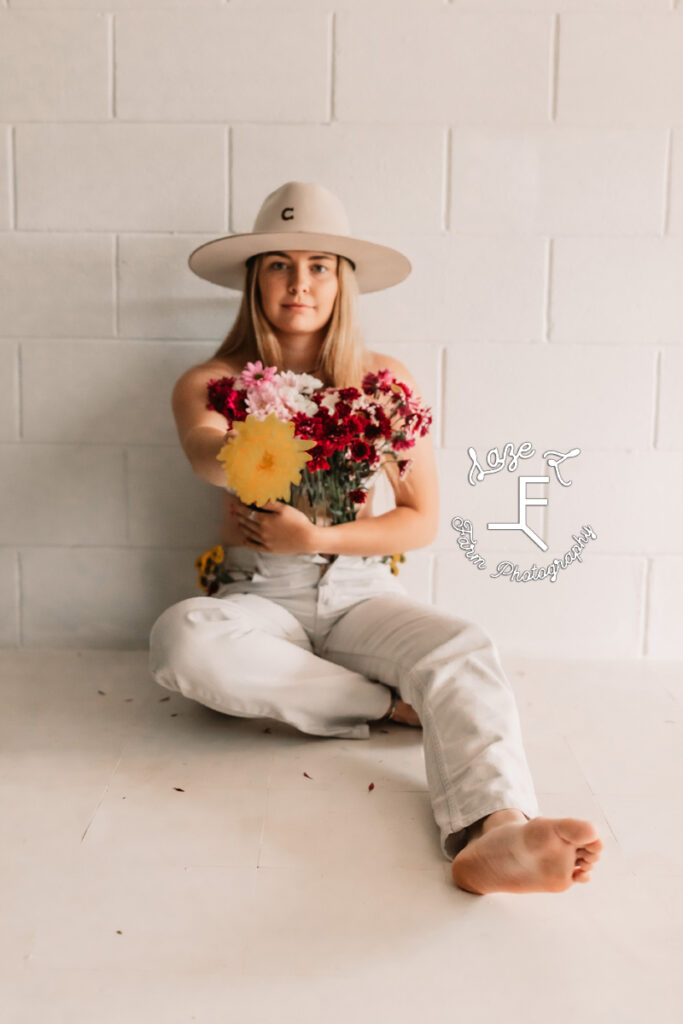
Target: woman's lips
(295,305)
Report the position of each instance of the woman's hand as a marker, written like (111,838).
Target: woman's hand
(282,530)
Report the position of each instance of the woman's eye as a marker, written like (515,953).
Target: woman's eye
(279,263)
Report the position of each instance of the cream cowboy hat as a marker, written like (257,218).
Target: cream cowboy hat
(299,215)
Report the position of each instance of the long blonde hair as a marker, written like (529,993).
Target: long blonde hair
(342,355)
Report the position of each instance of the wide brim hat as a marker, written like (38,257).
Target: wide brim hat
(300,215)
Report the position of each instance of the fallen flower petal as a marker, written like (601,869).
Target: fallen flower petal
(371,786)
(178,789)
(307,775)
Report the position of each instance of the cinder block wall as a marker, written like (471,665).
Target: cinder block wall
(527,155)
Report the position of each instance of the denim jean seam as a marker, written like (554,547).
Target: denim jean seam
(411,673)
(380,657)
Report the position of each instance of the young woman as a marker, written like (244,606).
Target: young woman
(312,629)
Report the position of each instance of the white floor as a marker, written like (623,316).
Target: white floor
(163,863)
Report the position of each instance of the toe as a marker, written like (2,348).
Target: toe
(575,830)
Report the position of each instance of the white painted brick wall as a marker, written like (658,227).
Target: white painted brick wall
(208,60)
(53,66)
(527,156)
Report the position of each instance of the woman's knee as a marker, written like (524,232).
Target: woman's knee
(462,634)
(449,643)
(183,631)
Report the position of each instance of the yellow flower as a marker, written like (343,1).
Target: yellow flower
(263,459)
(207,562)
(395,559)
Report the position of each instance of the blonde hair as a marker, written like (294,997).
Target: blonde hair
(342,356)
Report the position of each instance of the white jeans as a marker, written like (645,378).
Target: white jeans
(321,643)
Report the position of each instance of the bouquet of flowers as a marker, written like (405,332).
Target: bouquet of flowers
(292,437)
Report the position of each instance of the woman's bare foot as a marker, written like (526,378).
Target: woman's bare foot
(406,714)
(541,855)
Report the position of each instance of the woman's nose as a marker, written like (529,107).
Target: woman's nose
(298,278)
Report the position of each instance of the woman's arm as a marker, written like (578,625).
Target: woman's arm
(201,431)
(414,523)
(402,529)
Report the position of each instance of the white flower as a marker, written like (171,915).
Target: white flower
(297,402)
(307,383)
(330,402)
(304,383)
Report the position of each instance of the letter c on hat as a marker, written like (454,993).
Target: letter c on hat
(288,210)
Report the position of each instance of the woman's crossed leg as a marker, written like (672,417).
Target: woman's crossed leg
(248,656)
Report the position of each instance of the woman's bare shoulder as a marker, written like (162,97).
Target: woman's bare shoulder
(375,361)
(378,361)
(215,367)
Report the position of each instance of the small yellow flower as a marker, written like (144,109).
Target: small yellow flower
(206,564)
(393,564)
(263,459)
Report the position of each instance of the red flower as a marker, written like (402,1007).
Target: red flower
(226,399)
(361,450)
(372,432)
(349,394)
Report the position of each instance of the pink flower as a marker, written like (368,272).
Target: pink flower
(385,379)
(264,399)
(254,375)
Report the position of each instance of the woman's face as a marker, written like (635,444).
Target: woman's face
(298,289)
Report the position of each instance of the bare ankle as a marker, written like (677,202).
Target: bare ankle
(387,713)
(485,824)
(503,818)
